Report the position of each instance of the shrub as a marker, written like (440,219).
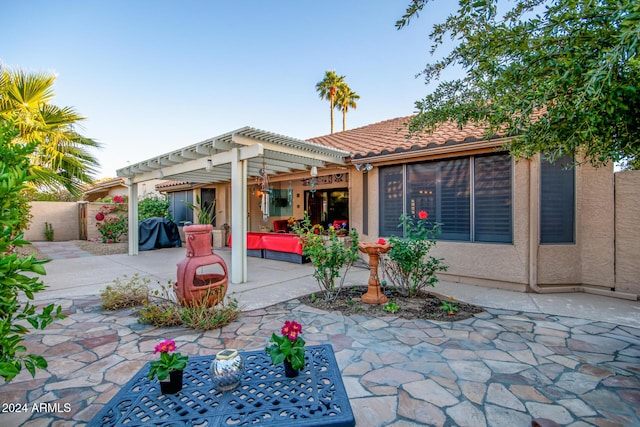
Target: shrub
(48,232)
(16,314)
(331,257)
(125,294)
(153,206)
(162,310)
(112,221)
(408,266)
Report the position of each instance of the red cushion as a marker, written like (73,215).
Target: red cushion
(282,243)
(254,240)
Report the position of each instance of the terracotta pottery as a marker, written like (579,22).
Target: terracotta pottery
(200,289)
(374,294)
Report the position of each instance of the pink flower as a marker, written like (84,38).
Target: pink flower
(381,241)
(423,215)
(291,329)
(118,199)
(99,216)
(166,346)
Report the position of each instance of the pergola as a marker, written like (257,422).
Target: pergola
(234,156)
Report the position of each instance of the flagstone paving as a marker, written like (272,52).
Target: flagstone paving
(500,368)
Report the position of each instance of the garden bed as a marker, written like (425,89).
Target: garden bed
(423,306)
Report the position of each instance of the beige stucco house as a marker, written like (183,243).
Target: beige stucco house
(518,224)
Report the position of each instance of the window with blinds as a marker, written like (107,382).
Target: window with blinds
(557,201)
(390,200)
(493,218)
(444,189)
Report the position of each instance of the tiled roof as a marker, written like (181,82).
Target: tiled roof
(171,184)
(390,136)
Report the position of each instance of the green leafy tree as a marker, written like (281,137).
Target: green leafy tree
(62,158)
(345,99)
(19,279)
(328,89)
(560,76)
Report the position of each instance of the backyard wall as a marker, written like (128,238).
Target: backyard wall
(92,209)
(63,216)
(627,226)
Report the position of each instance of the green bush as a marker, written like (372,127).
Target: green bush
(331,257)
(153,206)
(16,314)
(408,266)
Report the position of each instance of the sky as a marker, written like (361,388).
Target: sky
(155,76)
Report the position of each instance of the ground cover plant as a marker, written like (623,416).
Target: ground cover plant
(159,307)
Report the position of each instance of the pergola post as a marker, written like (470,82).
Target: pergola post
(239,215)
(133,216)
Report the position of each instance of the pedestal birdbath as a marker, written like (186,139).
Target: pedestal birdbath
(193,289)
(374,294)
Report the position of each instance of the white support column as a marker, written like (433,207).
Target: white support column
(133,217)
(239,217)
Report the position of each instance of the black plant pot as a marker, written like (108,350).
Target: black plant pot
(289,372)
(173,384)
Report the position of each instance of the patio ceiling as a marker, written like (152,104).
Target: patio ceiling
(209,162)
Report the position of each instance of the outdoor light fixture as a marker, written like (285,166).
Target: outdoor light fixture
(364,167)
(314,171)
(209,166)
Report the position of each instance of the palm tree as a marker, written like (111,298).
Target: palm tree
(346,98)
(62,157)
(328,89)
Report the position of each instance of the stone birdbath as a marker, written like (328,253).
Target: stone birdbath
(374,294)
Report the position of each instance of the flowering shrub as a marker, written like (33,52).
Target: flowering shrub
(170,360)
(331,257)
(289,346)
(112,220)
(407,265)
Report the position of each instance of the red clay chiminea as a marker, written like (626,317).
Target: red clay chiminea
(193,289)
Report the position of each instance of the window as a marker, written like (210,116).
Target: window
(179,211)
(493,217)
(450,191)
(557,201)
(390,200)
(442,189)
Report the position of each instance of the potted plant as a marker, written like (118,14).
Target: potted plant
(288,348)
(169,368)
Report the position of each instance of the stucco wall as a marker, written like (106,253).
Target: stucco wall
(596,226)
(589,261)
(627,245)
(63,216)
(496,265)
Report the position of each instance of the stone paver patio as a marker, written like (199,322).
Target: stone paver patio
(501,368)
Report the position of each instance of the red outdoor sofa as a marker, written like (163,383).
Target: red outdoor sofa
(277,246)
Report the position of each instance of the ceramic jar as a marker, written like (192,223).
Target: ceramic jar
(227,369)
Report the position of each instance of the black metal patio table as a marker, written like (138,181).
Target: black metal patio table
(316,397)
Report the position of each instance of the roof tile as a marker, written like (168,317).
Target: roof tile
(392,136)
